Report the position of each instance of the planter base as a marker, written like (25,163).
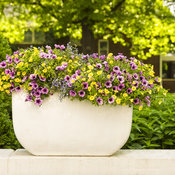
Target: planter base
(70,127)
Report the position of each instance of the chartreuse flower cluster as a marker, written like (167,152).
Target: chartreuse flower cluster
(101,79)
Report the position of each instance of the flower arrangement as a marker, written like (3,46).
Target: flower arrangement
(101,79)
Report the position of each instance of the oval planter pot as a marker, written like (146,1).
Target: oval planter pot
(70,127)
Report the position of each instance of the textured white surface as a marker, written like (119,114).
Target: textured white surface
(125,162)
(70,127)
(4,156)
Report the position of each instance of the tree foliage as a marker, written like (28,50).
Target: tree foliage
(147,26)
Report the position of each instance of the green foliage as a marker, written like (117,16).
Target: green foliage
(7,136)
(147,26)
(154,127)
(4,48)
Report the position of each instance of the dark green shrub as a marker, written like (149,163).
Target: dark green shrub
(154,127)
(7,136)
(4,48)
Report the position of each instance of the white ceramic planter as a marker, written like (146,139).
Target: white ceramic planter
(70,127)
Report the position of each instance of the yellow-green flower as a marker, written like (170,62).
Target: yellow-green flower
(99,72)
(90,75)
(118,101)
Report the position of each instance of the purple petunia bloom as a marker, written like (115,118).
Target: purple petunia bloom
(48,47)
(7,71)
(67,78)
(121,86)
(64,65)
(142,78)
(25,78)
(59,68)
(34,85)
(141,73)
(98,85)
(44,90)
(99,100)
(134,67)
(85,56)
(136,76)
(85,85)
(3,64)
(42,78)
(12,75)
(57,46)
(114,88)
(116,69)
(77,72)
(121,79)
(28,98)
(72,93)
(38,101)
(17,89)
(94,55)
(108,84)
(16,60)
(102,57)
(98,65)
(136,101)
(105,63)
(12,84)
(39,89)
(106,68)
(37,94)
(62,47)
(50,51)
(111,100)
(69,84)
(81,93)
(112,78)
(129,77)
(136,83)
(129,90)
(54,56)
(144,82)
(33,76)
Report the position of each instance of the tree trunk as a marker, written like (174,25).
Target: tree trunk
(88,41)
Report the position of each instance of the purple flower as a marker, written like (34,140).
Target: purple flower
(141,73)
(121,79)
(136,76)
(57,46)
(112,78)
(85,85)
(136,83)
(129,90)
(24,78)
(98,65)
(44,90)
(48,47)
(42,78)
(12,75)
(77,72)
(28,98)
(142,78)
(16,59)
(116,68)
(81,93)
(129,77)
(33,76)
(72,93)
(3,64)
(67,78)
(144,82)
(50,51)
(69,84)
(99,100)
(133,67)
(17,89)
(64,65)
(59,68)
(38,101)
(102,57)
(114,88)
(54,56)
(106,68)
(34,85)
(121,86)
(136,101)
(7,71)
(108,84)
(111,100)
(94,55)
(12,84)
(85,57)
(39,89)
(98,85)
(105,63)
(37,93)
(62,47)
